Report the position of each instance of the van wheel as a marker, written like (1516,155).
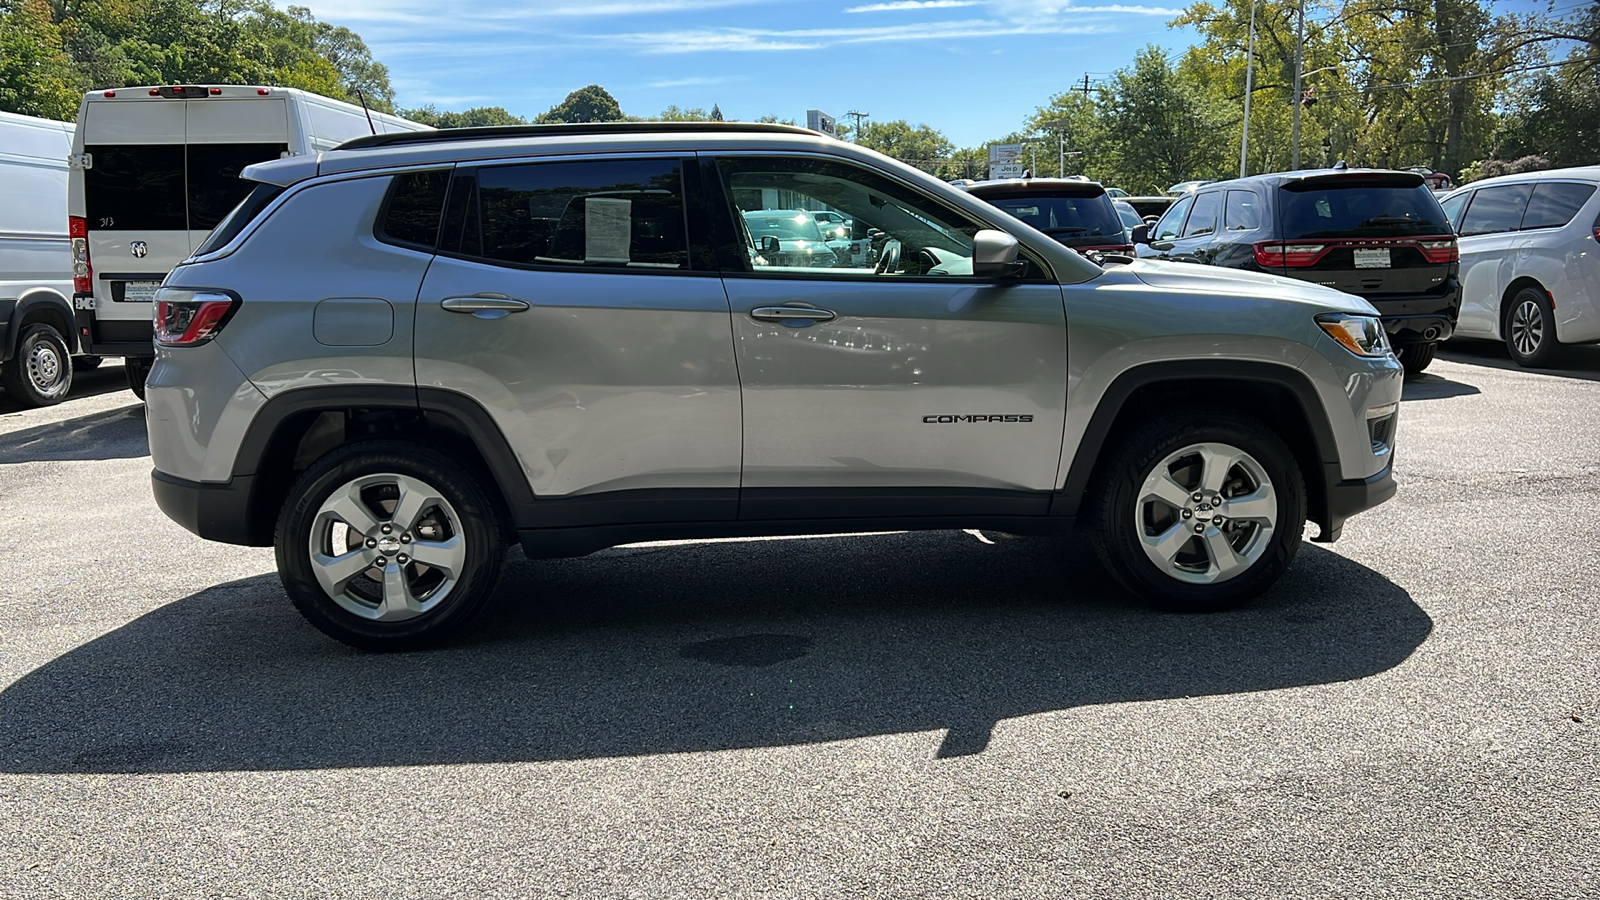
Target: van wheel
(1530,329)
(1416,357)
(386,545)
(137,368)
(40,374)
(1200,510)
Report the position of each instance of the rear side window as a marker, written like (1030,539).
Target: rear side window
(625,213)
(243,214)
(1243,211)
(413,211)
(1204,218)
(1554,203)
(1358,208)
(1496,209)
(135,187)
(215,187)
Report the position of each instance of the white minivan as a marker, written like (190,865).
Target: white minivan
(36,331)
(154,169)
(1530,267)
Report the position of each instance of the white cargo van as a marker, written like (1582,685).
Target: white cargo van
(154,169)
(36,331)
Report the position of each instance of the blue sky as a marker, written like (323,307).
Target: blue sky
(974,69)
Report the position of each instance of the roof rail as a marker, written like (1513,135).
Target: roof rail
(506,131)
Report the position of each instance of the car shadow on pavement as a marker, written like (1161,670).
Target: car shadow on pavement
(1580,361)
(1434,387)
(706,647)
(111,434)
(105,379)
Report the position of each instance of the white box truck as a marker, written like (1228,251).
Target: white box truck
(36,327)
(154,169)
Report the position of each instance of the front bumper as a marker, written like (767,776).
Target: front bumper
(216,511)
(1348,497)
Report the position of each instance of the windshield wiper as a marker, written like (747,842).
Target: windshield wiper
(1394,220)
(1066,229)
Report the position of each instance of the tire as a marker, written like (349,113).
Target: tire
(1530,329)
(1416,357)
(399,603)
(86,363)
(137,368)
(40,374)
(1170,457)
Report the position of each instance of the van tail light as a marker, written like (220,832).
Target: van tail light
(82,271)
(1288,253)
(1440,250)
(184,318)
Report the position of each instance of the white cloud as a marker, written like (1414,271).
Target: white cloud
(751,39)
(692,82)
(898,5)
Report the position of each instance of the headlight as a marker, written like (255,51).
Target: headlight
(1361,335)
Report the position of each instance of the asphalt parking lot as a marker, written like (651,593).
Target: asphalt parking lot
(1412,712)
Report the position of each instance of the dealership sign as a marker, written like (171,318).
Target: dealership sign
(1005,160)
(817,120)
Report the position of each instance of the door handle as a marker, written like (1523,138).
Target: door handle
(482,302)
(792,314)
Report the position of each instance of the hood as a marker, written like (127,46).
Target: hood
(1192,277)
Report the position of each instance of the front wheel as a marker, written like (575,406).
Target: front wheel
(386,545)
(1199,510)
(1530,329)
(40,373)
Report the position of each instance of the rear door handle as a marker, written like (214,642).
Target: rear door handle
(484,302)
(792,314)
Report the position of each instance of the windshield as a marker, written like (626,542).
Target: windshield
(1064,216)
(1354,210)
(1130,216)
(783,226)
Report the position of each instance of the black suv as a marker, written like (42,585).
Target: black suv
(1375,233)
(1076,213)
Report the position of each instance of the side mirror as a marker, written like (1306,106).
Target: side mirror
(994,255)
(1141,234)
(769,244)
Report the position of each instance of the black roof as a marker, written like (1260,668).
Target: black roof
(589,128)
(1308,178)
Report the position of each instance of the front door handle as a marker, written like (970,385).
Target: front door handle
(796,314)
(484,302)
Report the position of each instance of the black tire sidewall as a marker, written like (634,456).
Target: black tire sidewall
(1115,533)
(19,384)
(1547,351)
(479,527)
(1417,357)
(137,369)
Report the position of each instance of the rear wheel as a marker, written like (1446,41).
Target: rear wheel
(1199,510)
(137,368)
(386,545)
(1416,357)
(1530,329)
(40,374)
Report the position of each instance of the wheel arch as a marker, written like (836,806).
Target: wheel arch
(293,430)
(1281,397)
(40,305)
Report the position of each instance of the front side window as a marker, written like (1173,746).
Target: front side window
(1554,203)
(1203,220)
(1167,228)
(613,213)
(1496,209)
(894,230)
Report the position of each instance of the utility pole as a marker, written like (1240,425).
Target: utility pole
(1086,85)
(1249,72)
(858,116)
(1299,48)
(1059,126)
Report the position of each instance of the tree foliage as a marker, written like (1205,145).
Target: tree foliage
(919,145)
(471,118)
(586,104)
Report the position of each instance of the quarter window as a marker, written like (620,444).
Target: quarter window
(622,213)
(1203,220)
(1496,209)
(1554,203)
(416,203)
(1243,211)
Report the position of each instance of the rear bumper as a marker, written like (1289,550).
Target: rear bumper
(1420,318)
(114,337)
(1419,329)
(1348,497)
(216,511)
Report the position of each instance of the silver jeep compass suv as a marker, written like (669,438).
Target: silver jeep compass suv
(397,358)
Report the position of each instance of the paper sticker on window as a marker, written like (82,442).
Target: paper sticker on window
(608,229)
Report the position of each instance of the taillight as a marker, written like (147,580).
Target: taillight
(1442,250)
(82,271)
(184,318)
(1288,253)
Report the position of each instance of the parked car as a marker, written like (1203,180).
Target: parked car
(397,358)
(1530,270)
(1130,218)
(1376,233)
(1436,181)
(1149,208)
(37,339)
(1184,187)
(1076,213)
(789,237)
(156,168)
(835,227)
(1116,193)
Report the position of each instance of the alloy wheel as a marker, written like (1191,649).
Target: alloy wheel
(1206,513)
(1527,327)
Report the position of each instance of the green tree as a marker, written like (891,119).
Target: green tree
(586,104)
(471,118)
(919,146)
(1070,121)
(37,77)
(1160,129)
(675,113)
(321,57)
